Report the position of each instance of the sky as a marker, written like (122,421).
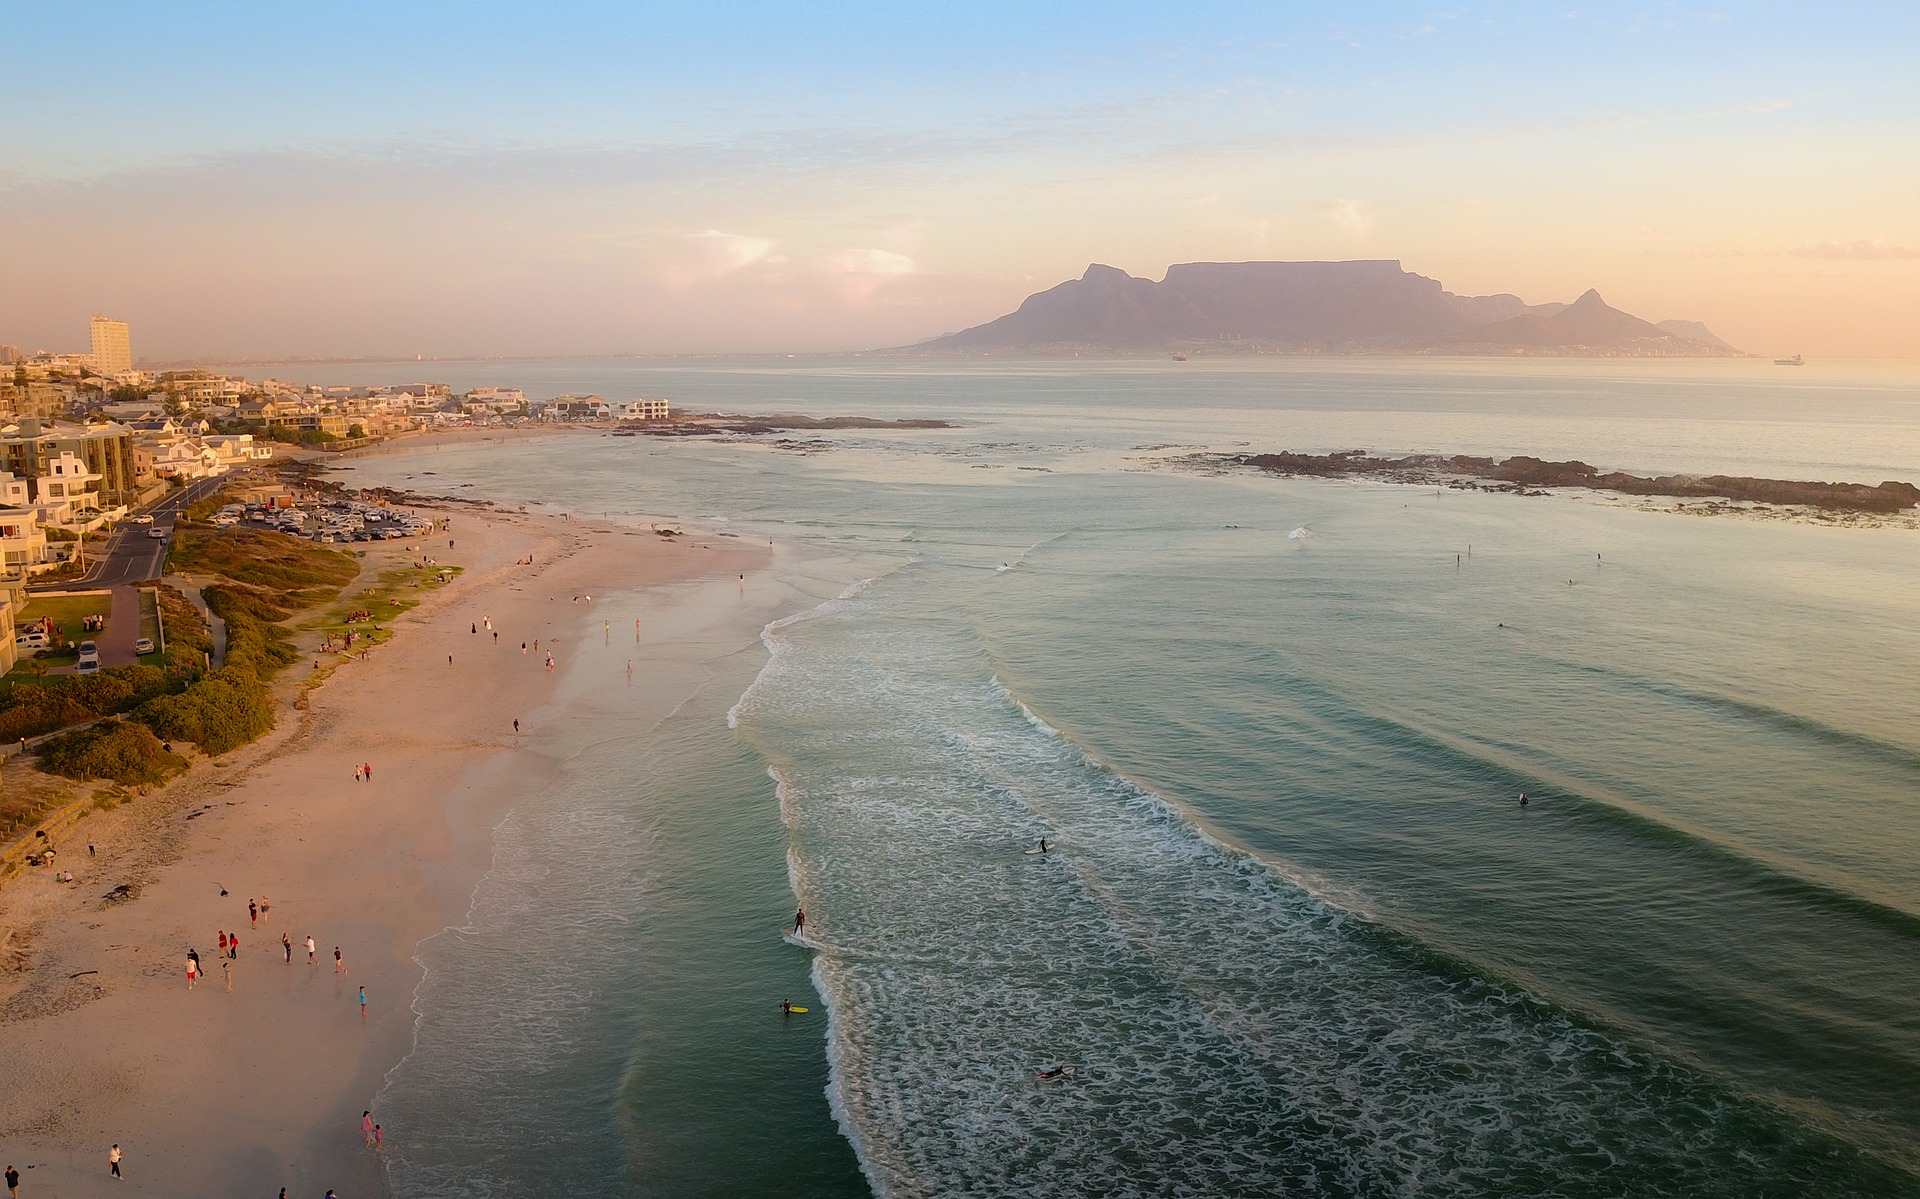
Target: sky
(358,179)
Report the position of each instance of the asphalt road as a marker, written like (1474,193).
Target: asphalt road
(130,555)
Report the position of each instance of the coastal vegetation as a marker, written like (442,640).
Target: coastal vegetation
(267,578)
(124,751)
(306,572)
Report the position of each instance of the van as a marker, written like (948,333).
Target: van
(34,639)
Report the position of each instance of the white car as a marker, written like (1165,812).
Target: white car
(144,518)
(143,646)
(157,534)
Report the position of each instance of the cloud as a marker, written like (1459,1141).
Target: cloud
(1351,217)
(1877,249)
(713,255)
(858,276)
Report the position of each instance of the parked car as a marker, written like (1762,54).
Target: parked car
(143,646)
(87,666)
(89,649)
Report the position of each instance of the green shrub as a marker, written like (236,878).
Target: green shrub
(29,709)
(233,705)
(120,750)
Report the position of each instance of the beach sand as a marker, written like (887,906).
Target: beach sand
(210,1093)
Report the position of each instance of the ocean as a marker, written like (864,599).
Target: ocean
(1295,933)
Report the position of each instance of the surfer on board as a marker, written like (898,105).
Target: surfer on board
(799,921)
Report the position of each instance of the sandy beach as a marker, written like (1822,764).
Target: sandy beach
(215,1093)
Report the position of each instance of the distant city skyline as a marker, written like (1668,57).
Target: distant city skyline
(447,180)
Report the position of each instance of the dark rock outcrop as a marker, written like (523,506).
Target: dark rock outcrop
(1522,472)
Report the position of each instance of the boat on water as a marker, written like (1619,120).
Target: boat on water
(1796,360)
(1179,357)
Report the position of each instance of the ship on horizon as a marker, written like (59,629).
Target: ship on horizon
(1796,360)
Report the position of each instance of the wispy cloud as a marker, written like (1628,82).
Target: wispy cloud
(1875,250)
(712,255)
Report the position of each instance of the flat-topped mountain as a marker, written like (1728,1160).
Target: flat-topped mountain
(1370,306)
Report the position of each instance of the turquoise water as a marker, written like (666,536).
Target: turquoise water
(1298,936)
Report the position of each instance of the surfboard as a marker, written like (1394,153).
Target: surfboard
(796,1010)
(1031,852)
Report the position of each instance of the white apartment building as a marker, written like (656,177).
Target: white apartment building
(642,410)
(112,348)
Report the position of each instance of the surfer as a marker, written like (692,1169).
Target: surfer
(1053,1072)
(799,921)
(786,1007)
(1523,799)
(1043,845)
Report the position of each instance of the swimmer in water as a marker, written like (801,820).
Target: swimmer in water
(1523,799)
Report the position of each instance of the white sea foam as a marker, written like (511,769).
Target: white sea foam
(1234,1034)
(769,637)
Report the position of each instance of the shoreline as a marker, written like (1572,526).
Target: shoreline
(211,1093)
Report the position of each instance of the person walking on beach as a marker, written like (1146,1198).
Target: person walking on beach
(264,909)
(368,771)
(13,1183)
(363,1003)
(223,943)
(310,950)
(356,769)
(233,945)
(379,1139)
(366,1128)
(516,726)
(286,943)
(113,1161)
(253,913)
(228,967)
(193,969)
(339,963)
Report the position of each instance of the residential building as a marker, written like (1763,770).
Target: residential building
(237,449)
(185,458)
(642,410)
(483,400)
(23,542)
(202,387)
(570,407)
(30,449)
(8,654)
(112,349)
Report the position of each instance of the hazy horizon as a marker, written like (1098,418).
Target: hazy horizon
(455,182)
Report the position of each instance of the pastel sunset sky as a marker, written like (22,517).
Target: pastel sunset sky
(348,179)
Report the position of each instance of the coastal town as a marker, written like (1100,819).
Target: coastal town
(87,440)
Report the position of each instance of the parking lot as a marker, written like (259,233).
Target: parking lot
(330,523)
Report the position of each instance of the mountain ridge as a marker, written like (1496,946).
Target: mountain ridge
(1354,306)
